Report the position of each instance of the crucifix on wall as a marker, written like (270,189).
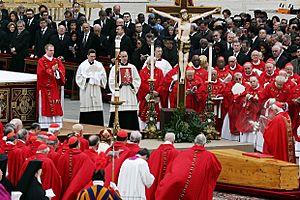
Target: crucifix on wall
(184,28)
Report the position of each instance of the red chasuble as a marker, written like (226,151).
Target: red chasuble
(54,156)
(50,86)
(278,138)
(145,89)
(250,110)
(193,176)
(260,66)
(271,91)
(166,84)
(234,104)
(222,73)
(50,177)
(92,154)
(196,100)
(118,160)
(76,171)
(26,149)
(238,68)
(84,144)
(15,160)
(133,148)
(160,163)
(264,78)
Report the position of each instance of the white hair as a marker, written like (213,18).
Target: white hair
(281,79)
(77,127)
(170,137)
(252,78)
(44,151)
(135,136)
(200,139)
(17,122)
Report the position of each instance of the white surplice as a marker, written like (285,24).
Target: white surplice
(127,93)
(133,178)
(90,93)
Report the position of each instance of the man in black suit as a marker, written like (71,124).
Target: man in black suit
(51,24)
(76,11)
(42,8)
(205,32)
(253,37)
(86,41)
(19,47)
(101,41)
(194,37)
(31,25)
(107,25)
(126,43)
(279,56)
(42,37)
(66,22)
(203,48)
(3,10)
(60,42)
(128,24)
(3,23)
(117,12)
(240,56)
(141,19)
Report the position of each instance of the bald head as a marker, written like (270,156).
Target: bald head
(93,140)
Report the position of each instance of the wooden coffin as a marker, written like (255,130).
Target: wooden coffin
(266,173)
(17,97)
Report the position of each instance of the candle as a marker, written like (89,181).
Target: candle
(152,60)
(118,42)
(209,62)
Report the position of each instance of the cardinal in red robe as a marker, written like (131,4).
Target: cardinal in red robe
(277,90)
(50,177)
(251,107)
(278,136)
(233,67)
(170,77)
(50,78)
(256,62)
(160,163)
(248,72)
(15,158)
(233,101)
(52,144)
(120,154)
(195,91)
(224,74)
(218,89)
(268,76)
(78,129)
(91,152)
(193,174)
(143,93)
(76,170)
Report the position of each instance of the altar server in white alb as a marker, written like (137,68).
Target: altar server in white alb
(130,82)
(90,77)
(135,176)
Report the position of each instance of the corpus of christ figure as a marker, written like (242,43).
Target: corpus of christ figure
(184,29)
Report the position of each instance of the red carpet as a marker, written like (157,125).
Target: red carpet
(262,193)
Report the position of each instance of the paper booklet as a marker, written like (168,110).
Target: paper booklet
(15,195)
(50,193)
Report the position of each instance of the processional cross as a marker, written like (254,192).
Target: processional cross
(184,39)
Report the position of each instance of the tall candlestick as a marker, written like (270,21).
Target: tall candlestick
(152,60)
(209,62)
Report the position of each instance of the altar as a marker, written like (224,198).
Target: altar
(18,96)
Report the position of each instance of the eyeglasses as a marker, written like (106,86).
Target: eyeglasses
(230,60)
